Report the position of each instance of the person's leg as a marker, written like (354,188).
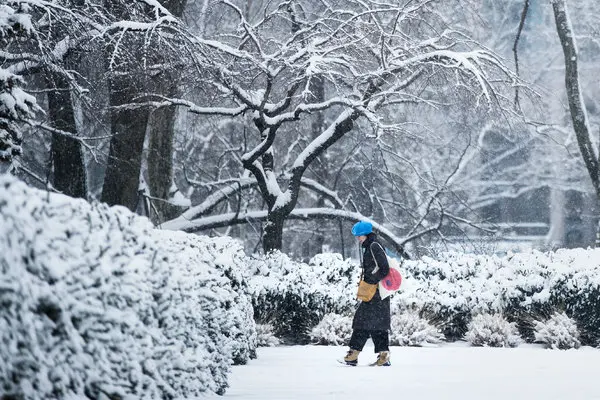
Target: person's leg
(381,340)
(358,339)
(357,342)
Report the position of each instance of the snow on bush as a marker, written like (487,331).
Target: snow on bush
(206,274)
(517,285)
(492,330)
(88,304)
(15,105)
(265,336)
(558,332)
(92,307)
(334,329)
(14,20)
(408,328)
(450,289)
(295,296)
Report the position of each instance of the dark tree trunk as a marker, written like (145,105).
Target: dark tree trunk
(67,154)
(128,128)
(161,131)
(273,232)
(576,106)
(160,163)
(318,95)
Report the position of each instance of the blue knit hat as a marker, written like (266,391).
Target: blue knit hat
(362,228)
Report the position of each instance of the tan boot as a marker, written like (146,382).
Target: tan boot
(352,357)
(383,360)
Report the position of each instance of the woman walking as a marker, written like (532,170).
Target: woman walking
(372,318)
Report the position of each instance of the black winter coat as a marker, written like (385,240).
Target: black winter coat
(373,315)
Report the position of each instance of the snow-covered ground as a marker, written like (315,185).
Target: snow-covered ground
(453,371)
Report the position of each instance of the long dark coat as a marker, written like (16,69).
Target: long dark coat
(373,315)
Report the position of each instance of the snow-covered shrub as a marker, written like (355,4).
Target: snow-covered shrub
(521,286)
(493,331)
(265,336)
(15,105)
(295,296)
(206,275)
(334,329)
(576,289)
(408,328)
(93,307)
(89,308)
(448,290)
(558,332)
(24,327)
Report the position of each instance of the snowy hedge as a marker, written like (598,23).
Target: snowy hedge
(95,305)
(294,296)
(209,276)
(524,287)
(334,329)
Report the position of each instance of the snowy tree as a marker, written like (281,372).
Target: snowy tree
(149,27)
(72,44)
(370,65)
(16,106)
(57,32)
(579,115)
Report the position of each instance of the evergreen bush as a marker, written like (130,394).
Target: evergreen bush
(492,330)
(408,328)
(207,274)
(334,329)
(558,332)
(265,336)
(294,296)
(94,307)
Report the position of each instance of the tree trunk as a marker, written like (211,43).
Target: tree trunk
(317,88)
(273,232)
(67,154)
(160,163)
(128,128)
(576,105)
(161,131)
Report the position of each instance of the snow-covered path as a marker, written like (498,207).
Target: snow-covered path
(444,373)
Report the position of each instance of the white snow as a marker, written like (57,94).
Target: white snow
(140,26)
(450,372)
(10,18)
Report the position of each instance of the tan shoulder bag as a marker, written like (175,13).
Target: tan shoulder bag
(366,291)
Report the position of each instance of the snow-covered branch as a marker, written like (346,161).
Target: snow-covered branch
(191,106)
(229,219)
